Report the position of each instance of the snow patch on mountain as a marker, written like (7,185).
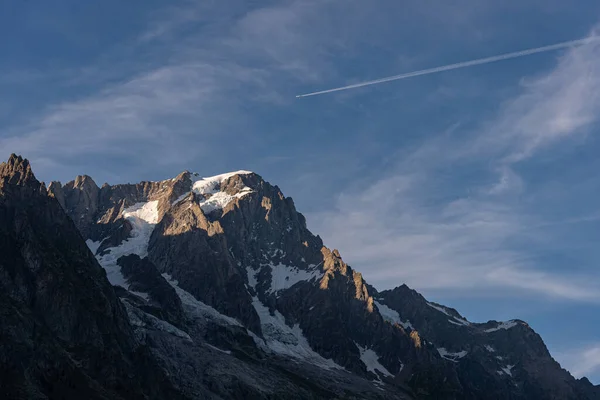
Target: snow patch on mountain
(204,185)
(140,318)
(503,325)
(219,200)
(392,316)
(143,217)
(490,348)
(441,309)
(289,341)
(252,281)
(210,189)
(93,246)
(284,276)
(143,295)
(506,370)
(180,198)
(141,213)
(197,309)
(454,357)
(371,361)
(210,346)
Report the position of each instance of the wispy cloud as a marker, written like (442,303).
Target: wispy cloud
(390,232)
(168,111)
(582,361)
(450,214)
(132,119)
(554,106)
(396,231)
(176,85)
(555,285)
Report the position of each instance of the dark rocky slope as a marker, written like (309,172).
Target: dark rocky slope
(64,333)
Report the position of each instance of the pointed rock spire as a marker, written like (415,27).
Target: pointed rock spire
(56,190)
(17,171)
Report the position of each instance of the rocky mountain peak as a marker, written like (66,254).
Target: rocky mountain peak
(55,190)
(85,183)
(80,197)
(17,171)
(15,163)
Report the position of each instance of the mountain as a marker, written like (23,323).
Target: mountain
(213,287)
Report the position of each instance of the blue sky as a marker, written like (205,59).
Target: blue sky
(479,187)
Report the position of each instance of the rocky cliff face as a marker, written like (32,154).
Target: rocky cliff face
(221,282)
(63,331)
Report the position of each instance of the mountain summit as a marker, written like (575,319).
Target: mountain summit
(213,287)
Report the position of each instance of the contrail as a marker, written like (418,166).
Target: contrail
(463,64)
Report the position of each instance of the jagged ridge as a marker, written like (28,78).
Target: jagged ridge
(254,282)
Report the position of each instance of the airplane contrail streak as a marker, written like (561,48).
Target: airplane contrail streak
(463,64)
